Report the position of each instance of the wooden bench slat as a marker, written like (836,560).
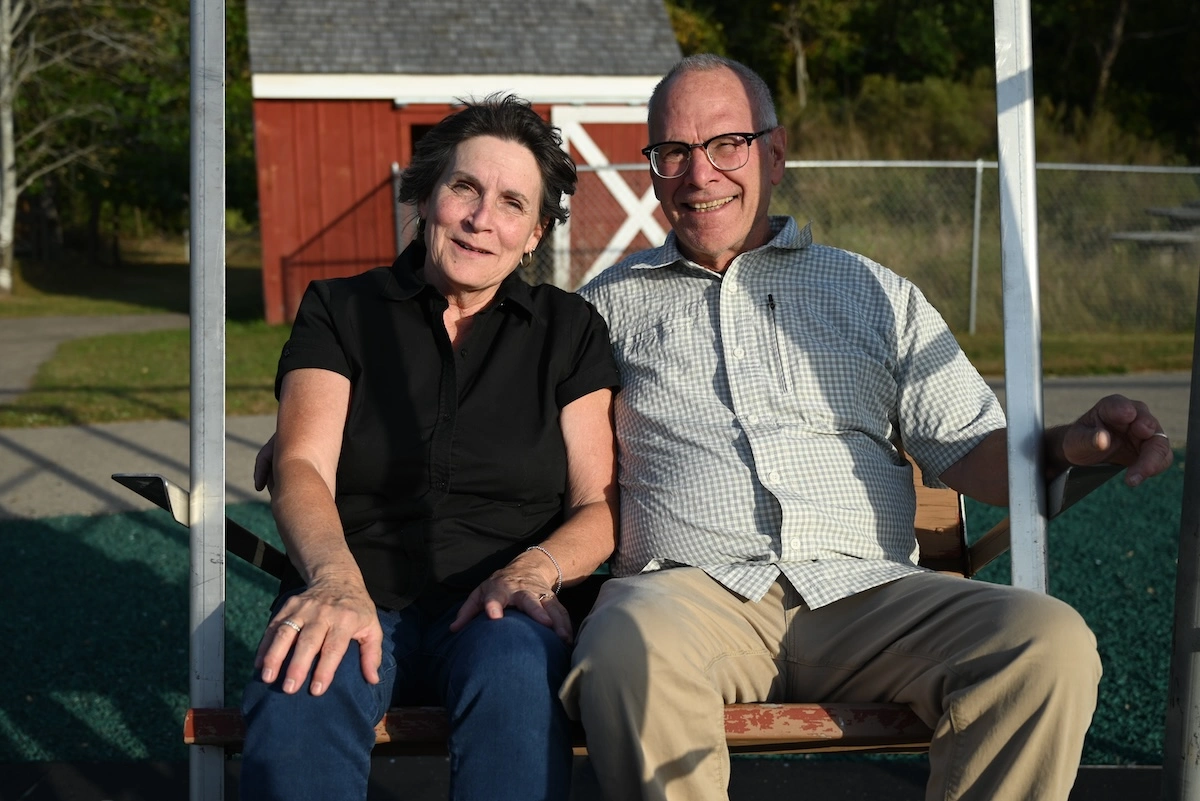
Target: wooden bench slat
(755,728)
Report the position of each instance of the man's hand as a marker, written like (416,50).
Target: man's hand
(1121,431)
(319,624)
(263,475)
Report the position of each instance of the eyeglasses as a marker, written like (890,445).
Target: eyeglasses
(726,152)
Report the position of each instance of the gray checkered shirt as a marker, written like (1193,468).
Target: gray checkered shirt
(761,411)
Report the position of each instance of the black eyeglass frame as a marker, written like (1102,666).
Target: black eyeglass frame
(749,137)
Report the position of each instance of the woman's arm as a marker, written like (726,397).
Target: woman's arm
(335,607)
(587,536)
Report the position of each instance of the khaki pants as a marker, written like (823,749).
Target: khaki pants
(1006,678)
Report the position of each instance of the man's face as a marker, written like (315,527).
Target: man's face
(715,215)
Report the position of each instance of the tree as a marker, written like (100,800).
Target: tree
(53,53)
(143,163)
(695,29)
(806,24)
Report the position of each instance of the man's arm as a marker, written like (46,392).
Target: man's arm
(1116,430)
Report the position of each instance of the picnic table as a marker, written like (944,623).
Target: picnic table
(1184,220)
(1186,216)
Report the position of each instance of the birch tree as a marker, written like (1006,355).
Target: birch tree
(49,50)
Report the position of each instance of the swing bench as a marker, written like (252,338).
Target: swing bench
(758,728)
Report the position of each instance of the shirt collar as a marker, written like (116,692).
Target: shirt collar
(407,281)
(785,235)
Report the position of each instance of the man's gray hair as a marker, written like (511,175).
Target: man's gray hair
(761,105)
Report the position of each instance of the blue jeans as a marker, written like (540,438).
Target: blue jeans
(498,680)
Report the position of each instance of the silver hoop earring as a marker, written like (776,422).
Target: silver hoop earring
(526,260)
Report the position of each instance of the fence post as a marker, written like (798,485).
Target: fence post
(973,304)
(397,217)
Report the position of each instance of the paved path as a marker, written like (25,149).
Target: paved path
(46,472)
(26,342)
(66,470)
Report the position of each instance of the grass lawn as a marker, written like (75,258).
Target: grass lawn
(145,376)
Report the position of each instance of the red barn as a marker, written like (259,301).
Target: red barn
(342,90)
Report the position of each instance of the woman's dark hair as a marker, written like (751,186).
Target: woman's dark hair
(505,117)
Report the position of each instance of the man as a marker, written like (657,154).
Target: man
(766,549)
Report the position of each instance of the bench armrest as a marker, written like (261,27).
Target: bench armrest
(239,540)
(1063,492)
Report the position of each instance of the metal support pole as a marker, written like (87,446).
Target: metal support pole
(975,248)
(1022,320)
(397,214)
(207,508)
(1181,742)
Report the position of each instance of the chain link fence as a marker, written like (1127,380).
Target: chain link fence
(938,224)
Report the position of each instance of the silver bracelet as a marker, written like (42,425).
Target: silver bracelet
(553,561)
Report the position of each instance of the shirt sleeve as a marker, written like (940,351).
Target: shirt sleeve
(945,406)
(592,364)
(316,340)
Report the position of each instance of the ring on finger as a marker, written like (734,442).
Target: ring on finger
(291,624)
(1162,434)
(543,596)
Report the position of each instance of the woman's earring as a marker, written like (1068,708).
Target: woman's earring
(526,260)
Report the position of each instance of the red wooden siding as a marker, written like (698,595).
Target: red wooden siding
(325,189)
(326,198)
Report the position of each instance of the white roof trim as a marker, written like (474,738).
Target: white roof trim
(406,89)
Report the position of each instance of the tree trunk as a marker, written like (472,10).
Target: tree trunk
(94,229)
(792,29)
(8,156)
(50,226)
(116,235)
(1109,55)
(801,75)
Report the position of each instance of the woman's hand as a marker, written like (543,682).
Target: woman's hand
(522,584)
(319,624)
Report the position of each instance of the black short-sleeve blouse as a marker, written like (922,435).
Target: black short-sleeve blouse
(452,462)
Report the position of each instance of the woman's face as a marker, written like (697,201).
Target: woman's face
(482,216)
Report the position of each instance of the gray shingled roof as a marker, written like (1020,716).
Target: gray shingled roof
(478,37)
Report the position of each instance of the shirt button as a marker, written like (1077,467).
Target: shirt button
(439,485)
(753,419)
(733,288)
(739,353)
(773,476)
(795,543)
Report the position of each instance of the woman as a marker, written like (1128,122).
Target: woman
(444,465)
